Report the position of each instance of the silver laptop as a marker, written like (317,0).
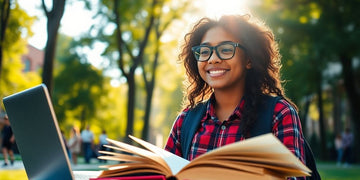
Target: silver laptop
(38,135)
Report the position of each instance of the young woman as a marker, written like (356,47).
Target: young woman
(231,63)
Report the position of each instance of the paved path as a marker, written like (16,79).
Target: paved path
(18,165)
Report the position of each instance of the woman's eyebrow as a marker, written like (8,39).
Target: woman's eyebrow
(208,44)
(205,43)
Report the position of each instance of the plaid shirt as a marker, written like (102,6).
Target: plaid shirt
(213,133)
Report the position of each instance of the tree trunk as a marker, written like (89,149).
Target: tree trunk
(53,24)
(130,105)
(150,86)
(149,94)
(49,56)
(337,109)
(136,61)
(353,95)
(304,115)
(4,18)
(146,128)
(321,121)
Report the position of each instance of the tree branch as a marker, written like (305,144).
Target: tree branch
(47,13)
(119,39)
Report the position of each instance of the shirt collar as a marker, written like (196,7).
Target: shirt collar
(210,109)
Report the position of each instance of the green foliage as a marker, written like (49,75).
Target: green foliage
(78,87)
(292,22)
(137,50)
(313,36)
(13,79)
(18,30)
(111,113)
(169,90)
(82,94)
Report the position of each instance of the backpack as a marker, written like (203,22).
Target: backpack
(262,126)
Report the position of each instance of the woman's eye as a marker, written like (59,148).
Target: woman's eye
(204,52)
(226,50)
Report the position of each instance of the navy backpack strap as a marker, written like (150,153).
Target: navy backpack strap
(265,115)
(190,125)
(310,162)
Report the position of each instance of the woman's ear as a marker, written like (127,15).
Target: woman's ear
(248,64)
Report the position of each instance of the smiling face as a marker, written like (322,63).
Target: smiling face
(223,74)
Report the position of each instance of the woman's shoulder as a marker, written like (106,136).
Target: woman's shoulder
(284,104)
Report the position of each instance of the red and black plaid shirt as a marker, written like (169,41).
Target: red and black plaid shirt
(213,133)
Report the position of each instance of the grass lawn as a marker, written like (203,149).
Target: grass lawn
(13,174)
(328,171)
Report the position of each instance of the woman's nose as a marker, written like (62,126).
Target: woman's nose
(214,58)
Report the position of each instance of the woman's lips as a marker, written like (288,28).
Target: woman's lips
(217,72)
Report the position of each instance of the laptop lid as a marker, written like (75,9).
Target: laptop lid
(37,134)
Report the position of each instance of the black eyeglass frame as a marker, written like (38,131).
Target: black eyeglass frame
(193,49)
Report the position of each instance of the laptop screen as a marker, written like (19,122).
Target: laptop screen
(37,134)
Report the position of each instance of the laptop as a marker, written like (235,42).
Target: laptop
(38,135)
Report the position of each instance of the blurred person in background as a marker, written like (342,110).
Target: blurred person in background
(102,143)
(8,140)
(74,144)
(339,149)
(347,143)
(87,138)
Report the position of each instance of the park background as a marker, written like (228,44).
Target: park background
(122,72)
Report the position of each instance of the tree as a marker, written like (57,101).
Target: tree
(340,36)
(293,23)
(18,30)
(135,59)
(326,32)
(162,22)
(4,18)
(134,42)
(78,85)
(82,93)
(53,23)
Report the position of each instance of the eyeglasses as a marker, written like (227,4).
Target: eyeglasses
(224,51)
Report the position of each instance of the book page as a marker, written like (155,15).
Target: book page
(128,172)
(266,144)
(275,160)
(283,171)
(121,157)
(279,166)
(215,173)
(143,153)
(174,162)
(228,164)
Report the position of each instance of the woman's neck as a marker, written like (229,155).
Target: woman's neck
(226,102)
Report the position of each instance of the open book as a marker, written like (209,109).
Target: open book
(261,157)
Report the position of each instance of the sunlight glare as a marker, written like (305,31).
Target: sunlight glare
(217,8)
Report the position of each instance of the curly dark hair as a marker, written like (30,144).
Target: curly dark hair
(263,78)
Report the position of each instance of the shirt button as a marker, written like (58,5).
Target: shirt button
(223,127)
